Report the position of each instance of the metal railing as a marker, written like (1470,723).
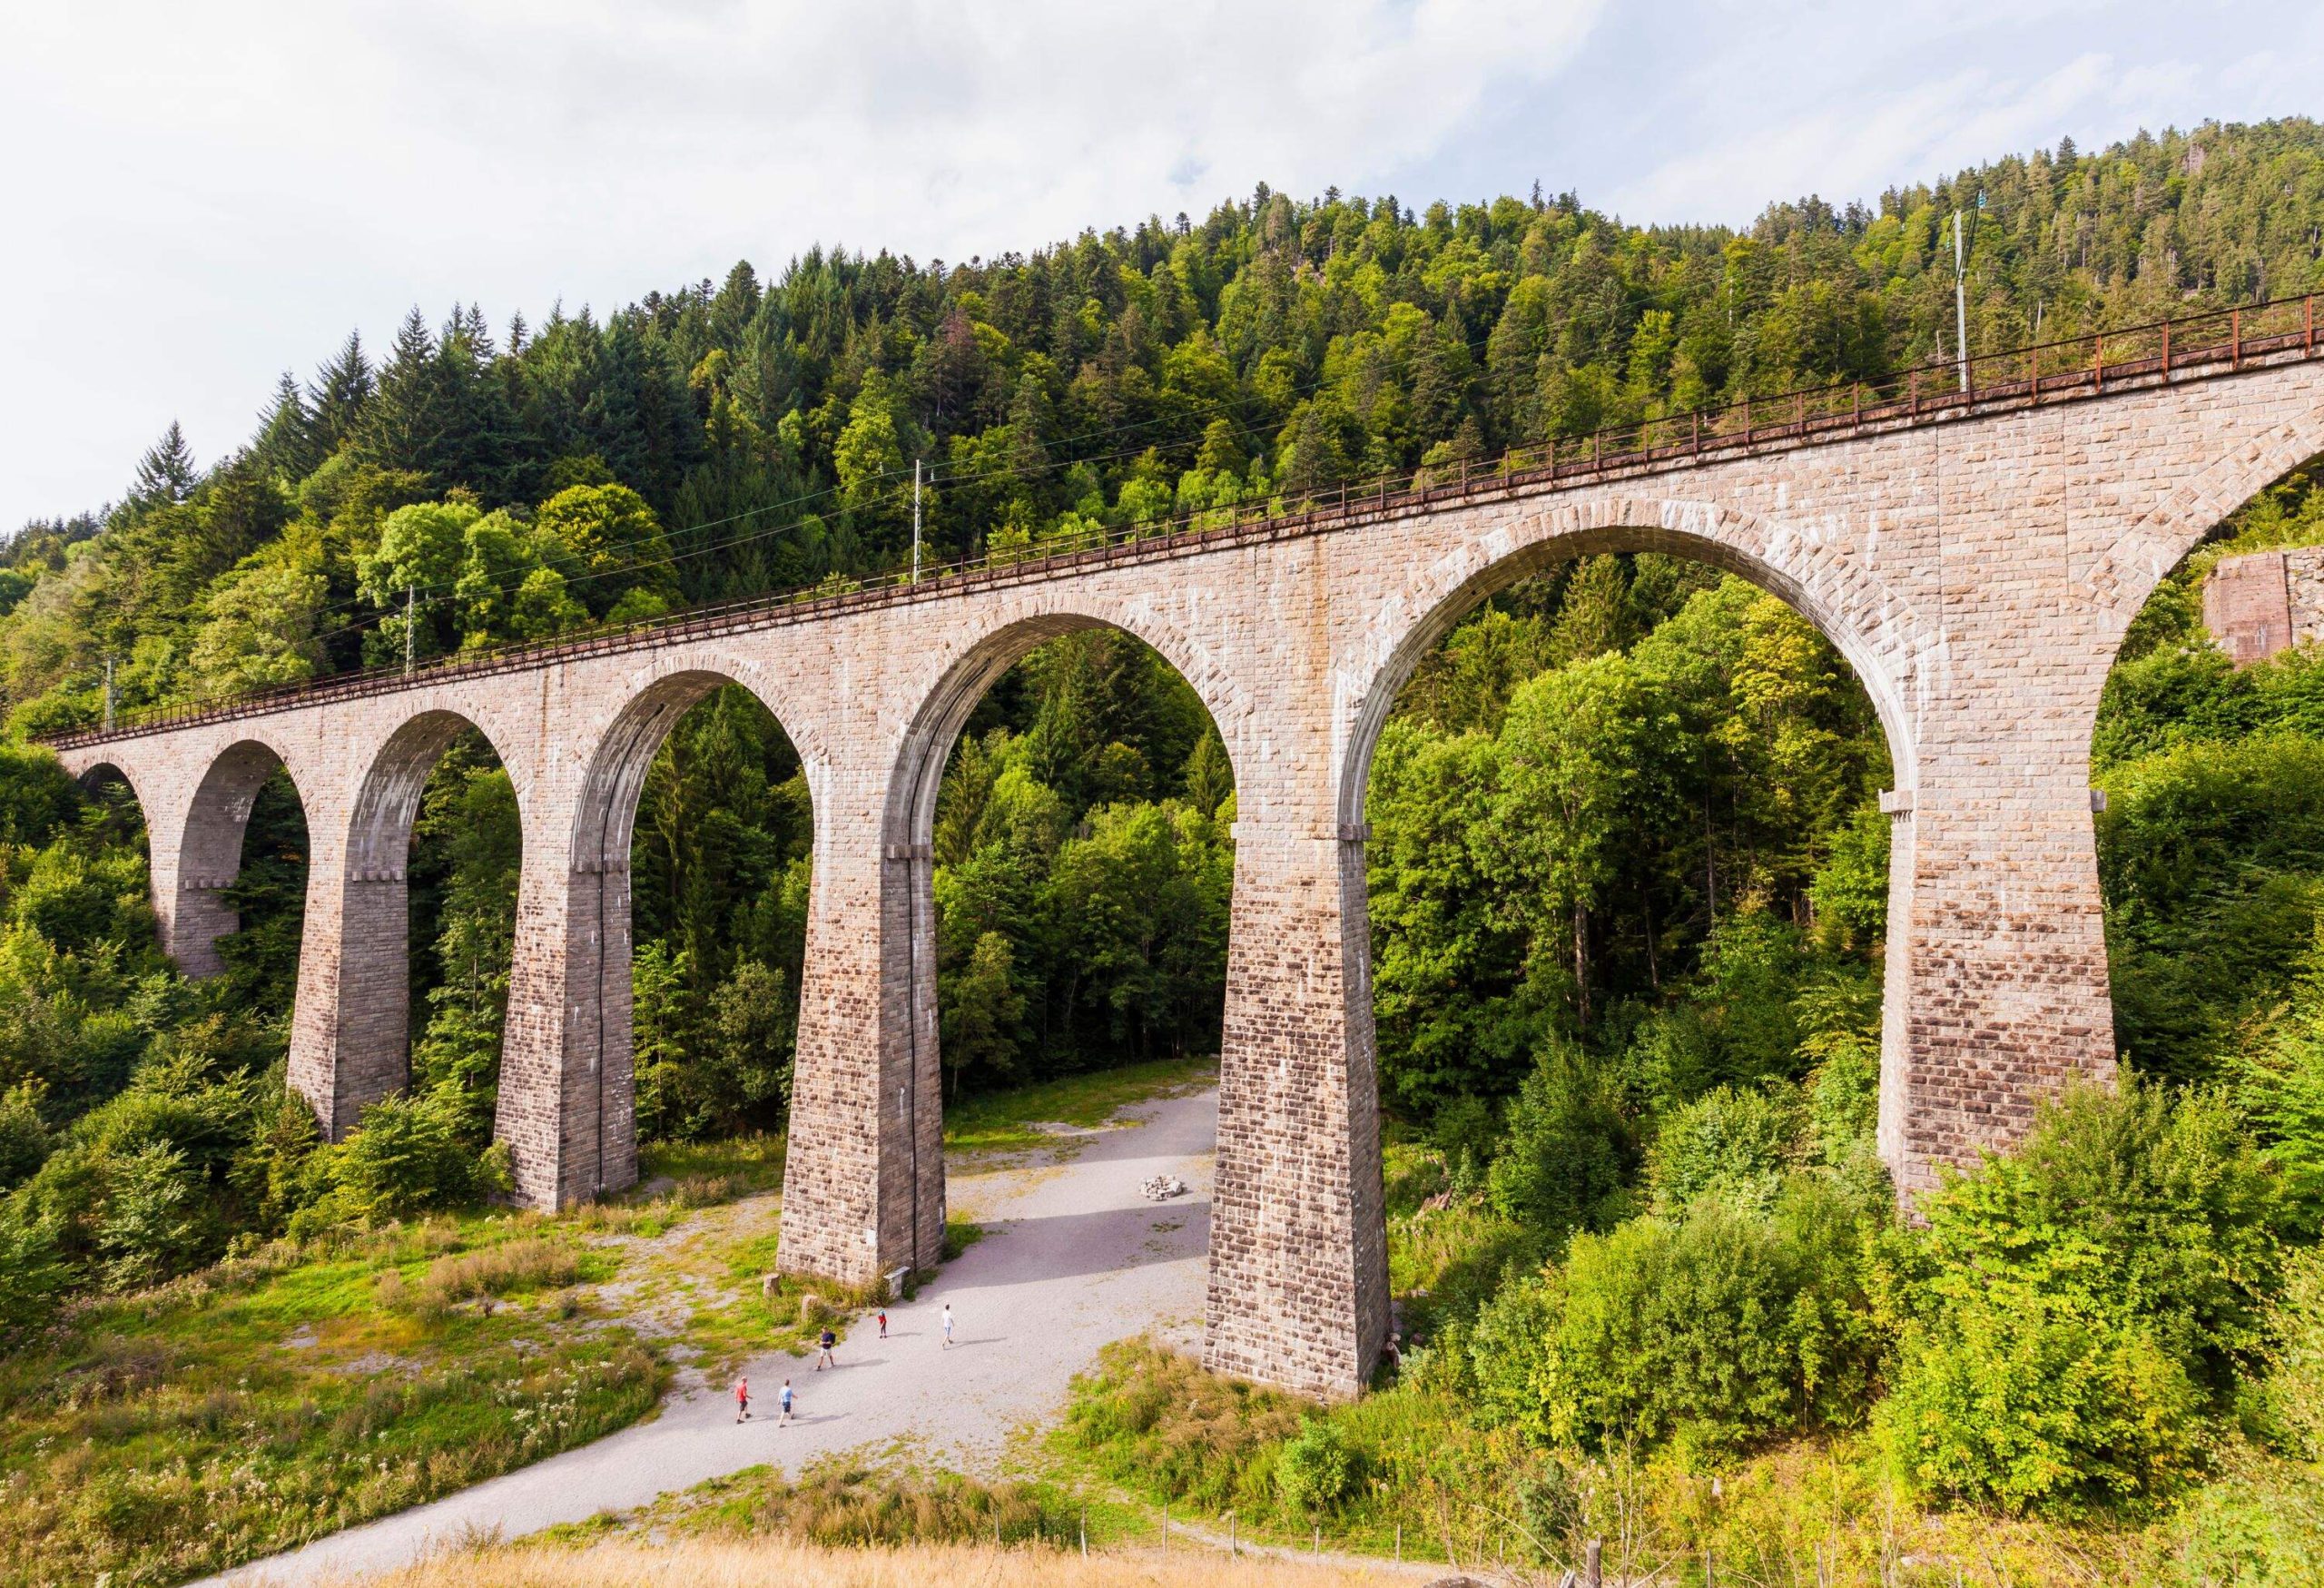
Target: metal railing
(2090,365)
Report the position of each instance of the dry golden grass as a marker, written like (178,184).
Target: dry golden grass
(753,1564)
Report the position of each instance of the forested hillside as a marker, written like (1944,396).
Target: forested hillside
(1627,872)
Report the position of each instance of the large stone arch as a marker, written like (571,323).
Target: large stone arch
(1878,634)
(210,850)
(2119,581)
(350,1035)
(1000,640)
(1875,630)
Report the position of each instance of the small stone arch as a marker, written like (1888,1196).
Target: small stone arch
(209,850)
(352,1032)
(1875,630)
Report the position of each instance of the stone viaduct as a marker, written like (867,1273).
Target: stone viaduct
(1976,567)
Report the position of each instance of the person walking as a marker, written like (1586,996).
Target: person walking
(948,1325)
(883,1323)
(825,1359)
(785,1399)
(743,1400)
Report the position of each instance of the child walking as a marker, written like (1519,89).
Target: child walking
(742,1400)
(785,1399)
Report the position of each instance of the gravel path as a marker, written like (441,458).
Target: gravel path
(1073,1257)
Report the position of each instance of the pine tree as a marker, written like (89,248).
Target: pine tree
(165,475)
(336,401)
(409,418)
(286,435)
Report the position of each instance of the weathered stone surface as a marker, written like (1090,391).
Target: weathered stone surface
(2265,602)
(1977,573)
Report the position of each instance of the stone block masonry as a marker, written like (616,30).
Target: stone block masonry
(1977,573)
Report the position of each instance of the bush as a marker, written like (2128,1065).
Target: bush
(2036,1401)
(2294,1390)
(405,1156)
(1318,1471)
(1730,1142)
(1721,1327)
(33,1274)
(24,1140)
(1568,1149)
(2078,1305)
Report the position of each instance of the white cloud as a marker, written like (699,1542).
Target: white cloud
(196,196)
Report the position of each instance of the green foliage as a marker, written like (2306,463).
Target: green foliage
(2077,1306)
(1727,1143)
(405,1156)
(1318,1471)
(1718,1325)
(1568,1150)
(2295,1383)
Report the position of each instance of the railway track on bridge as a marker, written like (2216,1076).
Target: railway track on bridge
(2093,367)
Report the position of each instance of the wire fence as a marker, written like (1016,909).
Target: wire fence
(2202,345)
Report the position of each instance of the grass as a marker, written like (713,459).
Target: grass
(211,1422)
(1422,1473)
(301,1389)
(753,1563)
(705,1172)
(1006,1122)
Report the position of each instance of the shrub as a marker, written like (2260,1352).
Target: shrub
(1730,1142)
(404,1157)
(2294,1390)
(1569,1148)
(33,1274)
(2036,1401)
(24,1140)
(2077,1306)
(147,1232)
(1721,1326)
(1318,1471)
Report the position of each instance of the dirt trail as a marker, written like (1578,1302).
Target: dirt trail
(1073,1257)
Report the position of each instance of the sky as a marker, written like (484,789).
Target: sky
(197,197)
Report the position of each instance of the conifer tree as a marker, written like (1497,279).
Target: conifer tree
(165,475)
(341,389)
(286,435)
(409,419)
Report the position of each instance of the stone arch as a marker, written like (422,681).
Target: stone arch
(2138,559)
(597,1053)
(209,850)
(100,771)
(1875,631)
(386,800)
(1013,633)
(351,1038)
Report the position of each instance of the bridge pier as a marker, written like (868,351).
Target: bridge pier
(863,1180)
(1996,988)
(1298,1291)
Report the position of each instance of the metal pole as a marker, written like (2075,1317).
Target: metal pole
(108,693)
(915,520)
(1960,305)
(411,626)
